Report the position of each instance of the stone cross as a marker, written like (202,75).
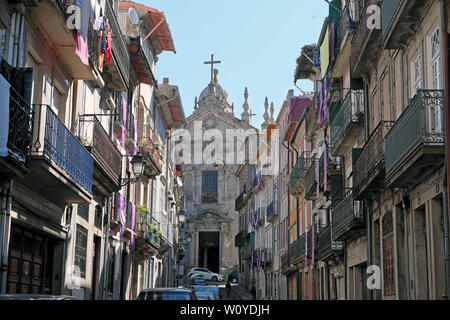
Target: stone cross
(212,62)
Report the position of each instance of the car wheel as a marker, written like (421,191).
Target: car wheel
(214,279)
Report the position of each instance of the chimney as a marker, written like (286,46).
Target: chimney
(165,80)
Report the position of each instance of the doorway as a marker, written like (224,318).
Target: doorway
(30,265)
(209,251)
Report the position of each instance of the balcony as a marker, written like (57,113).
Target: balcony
(142,61)
(50,17)
(333,167)
(272,211)
(415,144)
(348,217)
(310,181)
(369,169)
(240,201)
(311,120)
(345,29)
(147,237)
(61,164)
(108,159)
(347,126)
(400,20)
(119,68)
(151,148)
(296,180)
(285,262)
(310,236)
(326,246)
(239,240)
(19,124)
(297,249)
(366,43)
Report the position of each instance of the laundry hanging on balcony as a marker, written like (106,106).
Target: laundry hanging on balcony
(104,50)
(4,116)
(124,117)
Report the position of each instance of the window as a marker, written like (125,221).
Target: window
(80,251)
(435,56)
(388,254)
(417,72)
(209,187)
(83,211)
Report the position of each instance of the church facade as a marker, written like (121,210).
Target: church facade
(210,189)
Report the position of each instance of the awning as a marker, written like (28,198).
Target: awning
(162,32)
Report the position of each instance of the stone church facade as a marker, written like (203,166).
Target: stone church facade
(211,189)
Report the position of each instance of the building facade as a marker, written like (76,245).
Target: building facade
(90,198)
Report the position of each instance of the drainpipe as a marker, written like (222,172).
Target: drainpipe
(2,223)
(369,242)
(106,226)
(5,250)
(446,190)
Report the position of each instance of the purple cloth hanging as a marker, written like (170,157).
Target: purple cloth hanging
(325,169)
(124,118)
(325,104)
(123,216)
(317,179)
(333,41)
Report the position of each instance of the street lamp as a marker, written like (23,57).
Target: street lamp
(138,164)
(182,216)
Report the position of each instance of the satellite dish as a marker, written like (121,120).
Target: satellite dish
(134,18)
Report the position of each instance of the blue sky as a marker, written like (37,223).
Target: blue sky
(258,42)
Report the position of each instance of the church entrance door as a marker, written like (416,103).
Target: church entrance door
(209,257)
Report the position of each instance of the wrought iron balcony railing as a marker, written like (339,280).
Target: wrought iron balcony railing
(351,112)
(119,48)
(239,240)
(420,125)
(55,141)
(347,22)
(389,10)
(313,238)
(299,172)
(347,214)
(272,210)
(20,128)
(146,228)
(325,244)
(298,248)
(311,181)
(151,147)
(285,261)
(362,41)
(371,159)
(400,20)
(92,134)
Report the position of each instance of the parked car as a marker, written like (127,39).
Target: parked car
(34,297)
(203,295)
(167,294)
(210,276)
(214,290)
(233,277)
(197,279)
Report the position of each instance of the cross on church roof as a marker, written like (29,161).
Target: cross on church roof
(212,62)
